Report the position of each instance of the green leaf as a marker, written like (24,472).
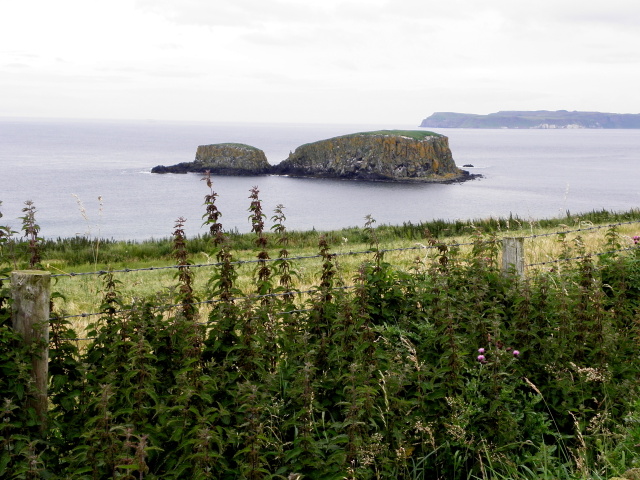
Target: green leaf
(5,458)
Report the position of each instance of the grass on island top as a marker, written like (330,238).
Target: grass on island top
(415,134)
(231,144)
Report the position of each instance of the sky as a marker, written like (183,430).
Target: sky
(315,61)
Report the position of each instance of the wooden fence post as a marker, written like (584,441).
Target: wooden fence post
(30,290)
(513,255)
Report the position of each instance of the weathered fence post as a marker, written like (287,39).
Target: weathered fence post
(513,255)
(30,290)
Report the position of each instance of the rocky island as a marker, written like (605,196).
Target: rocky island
(540,119)
(223,159)
(385,155)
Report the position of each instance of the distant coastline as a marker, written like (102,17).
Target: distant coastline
(539,119)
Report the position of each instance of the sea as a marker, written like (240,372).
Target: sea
(93,177)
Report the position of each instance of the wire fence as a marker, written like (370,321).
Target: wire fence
(210,302)
(301,293)
(580,257)
(214,301)
(337,254)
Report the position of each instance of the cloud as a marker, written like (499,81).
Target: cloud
(238,13)
(291,60)
(16,66)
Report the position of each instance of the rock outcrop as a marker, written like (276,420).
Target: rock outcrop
(223,159)
(387,155)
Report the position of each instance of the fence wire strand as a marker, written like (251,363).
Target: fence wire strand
(420,246)
(581,257)
(205,302)
(298,293)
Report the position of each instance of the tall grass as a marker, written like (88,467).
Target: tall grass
(81,250)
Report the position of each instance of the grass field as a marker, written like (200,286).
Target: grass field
(542,247)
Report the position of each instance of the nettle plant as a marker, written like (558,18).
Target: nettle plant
(5,235)
(453,369)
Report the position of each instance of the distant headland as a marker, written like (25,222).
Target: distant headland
(385,155)
(539,119)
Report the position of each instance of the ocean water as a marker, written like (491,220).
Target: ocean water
(93,177)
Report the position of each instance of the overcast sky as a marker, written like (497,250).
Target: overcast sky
(326,61)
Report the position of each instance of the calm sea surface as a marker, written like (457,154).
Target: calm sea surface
(528,173)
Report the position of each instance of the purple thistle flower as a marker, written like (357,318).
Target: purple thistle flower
(481,350)
(481,359)
(516,353)
(636,240)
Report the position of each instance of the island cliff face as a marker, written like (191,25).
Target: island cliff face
(223,159)
(385,155)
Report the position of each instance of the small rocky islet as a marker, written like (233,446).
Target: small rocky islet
(385,155)
(223,159)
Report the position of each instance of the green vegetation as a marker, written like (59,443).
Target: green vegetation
(415,134)
(91,252)
(446,368)
(241,145)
